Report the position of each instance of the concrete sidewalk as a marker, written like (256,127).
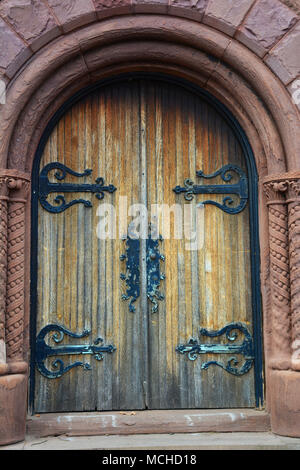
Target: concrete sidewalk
(188,441)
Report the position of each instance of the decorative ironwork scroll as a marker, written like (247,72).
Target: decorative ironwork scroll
(154,276)
(226,172)
(43,350)
(246,348)
(132,276)
(46,187)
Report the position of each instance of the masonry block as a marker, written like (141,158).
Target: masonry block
(32,20)
(285,402)
(226,15)
(284,59)
(265,24)
(193,9)
(73,13)
(13,407)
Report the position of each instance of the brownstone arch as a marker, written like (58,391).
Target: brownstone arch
(185,39)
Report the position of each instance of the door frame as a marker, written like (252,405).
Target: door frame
(223,111)
(175,41)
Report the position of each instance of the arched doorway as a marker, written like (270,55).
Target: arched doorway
(41,80)
(145,137)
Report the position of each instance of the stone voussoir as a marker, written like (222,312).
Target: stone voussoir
(15,51)
(226,15)
(150,6)
(193,9)
(284,58)
(265,25)
(72,14)
(32,20)
(106,8)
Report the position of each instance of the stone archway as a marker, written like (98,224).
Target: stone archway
(68,49)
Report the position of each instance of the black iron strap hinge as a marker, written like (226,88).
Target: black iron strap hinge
(226,172)
(46,187)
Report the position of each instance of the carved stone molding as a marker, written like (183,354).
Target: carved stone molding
(14,187)
(274,191)
(293,190)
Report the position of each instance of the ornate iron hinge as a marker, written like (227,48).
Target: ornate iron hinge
(132,276)
(43,350)
(193,348)
(46,187)
(240,188)
(154,276)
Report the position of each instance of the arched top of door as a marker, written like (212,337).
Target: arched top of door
(184,39)
(220,109)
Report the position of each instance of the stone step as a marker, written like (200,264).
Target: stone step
(173,442)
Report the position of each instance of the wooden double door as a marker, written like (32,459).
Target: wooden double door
(126,322)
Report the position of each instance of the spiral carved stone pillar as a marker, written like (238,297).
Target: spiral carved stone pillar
(284,219)
(283,195)
(293,201)
(14,324)
(279,274)
(14,187)
(3,264)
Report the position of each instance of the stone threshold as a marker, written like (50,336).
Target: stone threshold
(156,442)
(147,422)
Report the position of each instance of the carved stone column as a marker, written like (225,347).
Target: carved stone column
(14,187)
(3,263)
(285,384)
(279,274)
(14,323)
(293,201)
(283,194)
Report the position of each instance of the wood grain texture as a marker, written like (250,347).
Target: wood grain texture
(207,288)
(79,282)
(145,137)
